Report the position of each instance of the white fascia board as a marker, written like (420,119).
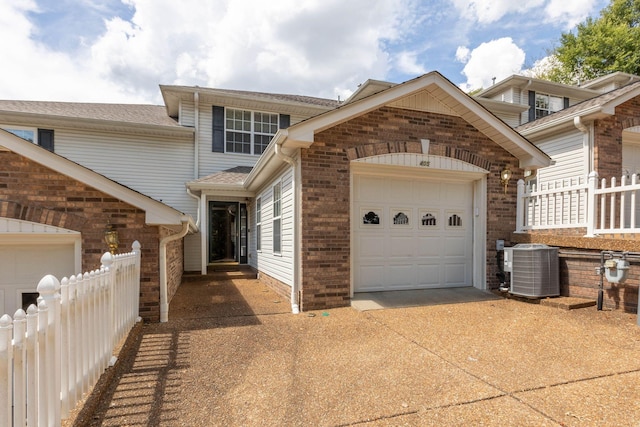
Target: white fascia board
(157,213)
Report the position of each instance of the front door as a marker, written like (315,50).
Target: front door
(228,232)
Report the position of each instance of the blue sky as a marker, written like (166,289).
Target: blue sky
(121,50)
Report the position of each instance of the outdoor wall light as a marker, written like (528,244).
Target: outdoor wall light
(505,176)
(111,238)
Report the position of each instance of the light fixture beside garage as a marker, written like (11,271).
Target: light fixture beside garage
(111,238)
(505,176)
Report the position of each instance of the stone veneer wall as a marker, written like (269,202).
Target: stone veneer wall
(325,183)
(32,192)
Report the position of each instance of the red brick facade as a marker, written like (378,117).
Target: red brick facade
(32,192)
(325,187)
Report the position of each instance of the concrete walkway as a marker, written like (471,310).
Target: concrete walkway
(233,355)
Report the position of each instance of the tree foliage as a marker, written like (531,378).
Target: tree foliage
(599,46)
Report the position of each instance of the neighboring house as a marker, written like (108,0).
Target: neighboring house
(596,130)
(53,217)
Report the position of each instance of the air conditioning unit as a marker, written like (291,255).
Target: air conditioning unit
(534,270)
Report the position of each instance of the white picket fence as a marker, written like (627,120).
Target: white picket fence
(601,209)
(54,353)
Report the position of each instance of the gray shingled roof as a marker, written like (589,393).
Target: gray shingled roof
(589,104)
(301,99)
(235,175)
(124,113)
(284,97)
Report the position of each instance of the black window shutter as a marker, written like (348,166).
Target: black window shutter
(532,105)
(45,138)
(285,121)
(566,102)
(218,129)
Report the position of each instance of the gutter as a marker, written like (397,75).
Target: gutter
(295,307)
(196,137)
(164,300)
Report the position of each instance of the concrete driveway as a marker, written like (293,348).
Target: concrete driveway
(233,355)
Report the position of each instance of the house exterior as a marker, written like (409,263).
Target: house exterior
(396,188)
(595,134)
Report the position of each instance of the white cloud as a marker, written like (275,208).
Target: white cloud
(488,11)
(407,63)
(462,54)
(283,46)
(30,70)
(498,58)
(253,45)
(568,12)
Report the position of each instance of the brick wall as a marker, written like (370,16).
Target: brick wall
(32,192)
(578,278)
(608,138)
(325,176)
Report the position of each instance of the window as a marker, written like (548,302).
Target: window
(42,137)
(258,224)
(277,219)
(547,104)
(248,132)
(24,133)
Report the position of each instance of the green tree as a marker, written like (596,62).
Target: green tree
(599,46)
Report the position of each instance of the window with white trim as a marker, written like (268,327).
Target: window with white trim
(277,218)
(249,132)
(547,104)
(259,224)
(41,137)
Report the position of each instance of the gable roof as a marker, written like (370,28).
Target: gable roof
(591,109)
(157,213)
(428,92)
(135,118)
(273,102)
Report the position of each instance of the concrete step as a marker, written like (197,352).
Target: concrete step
(567,303)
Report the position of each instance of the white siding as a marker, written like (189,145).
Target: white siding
(156,167)
(187,113)
(279,266)
(569,155)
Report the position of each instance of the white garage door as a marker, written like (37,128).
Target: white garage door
(412,233)
(23,266)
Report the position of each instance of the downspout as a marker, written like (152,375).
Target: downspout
(164,300)
(198,212)
(295,308)
(586,141)
(196,138)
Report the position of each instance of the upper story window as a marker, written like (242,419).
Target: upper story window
(547,104)
(245,131)
(42,137)
(24,133)
(249,132)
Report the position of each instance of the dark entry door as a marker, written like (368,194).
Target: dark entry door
(228,232)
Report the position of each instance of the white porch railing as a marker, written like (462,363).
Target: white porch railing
(594,205)
(55,352)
